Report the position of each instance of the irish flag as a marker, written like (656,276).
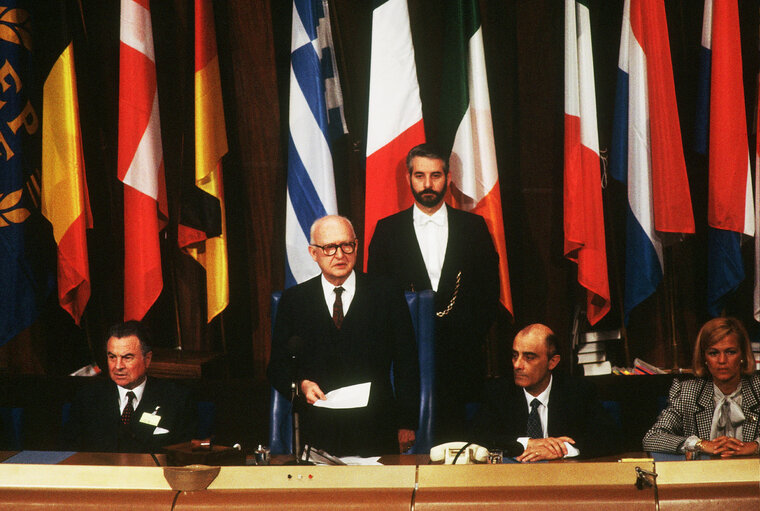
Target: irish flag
(394,121)
(466,127)
(584,213)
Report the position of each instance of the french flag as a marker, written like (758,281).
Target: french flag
(584,212)
(722,133)
(394,120)
(646,153)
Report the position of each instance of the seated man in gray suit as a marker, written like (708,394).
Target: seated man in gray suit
(129,412)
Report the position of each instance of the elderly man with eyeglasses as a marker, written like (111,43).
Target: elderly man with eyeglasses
(345,328)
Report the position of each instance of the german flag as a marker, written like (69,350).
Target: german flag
(64,196)
(203,235)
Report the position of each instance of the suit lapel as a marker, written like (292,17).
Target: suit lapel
(317,298)
(413,258)
(705,408)
(557,401)
(751,408)
(357,303)
(452,261)
(519,411)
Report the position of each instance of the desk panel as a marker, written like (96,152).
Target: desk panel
(535,498)
(379,499)
(22,499)
(580,486)
(706,485)
(709,497)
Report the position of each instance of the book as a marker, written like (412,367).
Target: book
(591,347)
(589,358)
(641,367)
(597,368)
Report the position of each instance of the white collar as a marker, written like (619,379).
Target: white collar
(543,397)
(349,285)
(138,391)
(439,218)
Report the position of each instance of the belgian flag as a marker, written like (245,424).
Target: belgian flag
(64,196)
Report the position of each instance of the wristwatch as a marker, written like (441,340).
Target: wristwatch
(698,445)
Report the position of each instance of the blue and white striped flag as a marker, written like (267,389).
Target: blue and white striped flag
(316,119)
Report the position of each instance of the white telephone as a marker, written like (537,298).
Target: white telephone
(464,453)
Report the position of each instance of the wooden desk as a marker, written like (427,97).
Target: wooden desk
(412,484)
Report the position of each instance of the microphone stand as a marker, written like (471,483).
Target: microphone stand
(296,422)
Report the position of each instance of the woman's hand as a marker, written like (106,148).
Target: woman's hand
(728,447)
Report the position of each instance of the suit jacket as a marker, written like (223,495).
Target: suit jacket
(690,412)
(470,254)
(95,422)
(573,411)
(376,333)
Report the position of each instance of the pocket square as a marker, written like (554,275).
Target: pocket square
(160,431)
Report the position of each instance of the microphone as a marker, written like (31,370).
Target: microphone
(513,449)
(295,346)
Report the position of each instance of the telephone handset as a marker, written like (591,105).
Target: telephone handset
(464,453)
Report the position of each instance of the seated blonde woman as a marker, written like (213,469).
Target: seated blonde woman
(717,412)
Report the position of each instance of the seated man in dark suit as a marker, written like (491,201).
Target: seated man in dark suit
(542,416)
(130,412)
(352,329)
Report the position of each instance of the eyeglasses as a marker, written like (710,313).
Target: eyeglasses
(347,247)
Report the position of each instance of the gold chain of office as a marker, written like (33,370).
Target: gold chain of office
(445,312)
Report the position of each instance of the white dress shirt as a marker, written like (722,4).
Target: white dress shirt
(432,236)
(123,396)
(349,290)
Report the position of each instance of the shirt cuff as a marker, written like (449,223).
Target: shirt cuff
(572,451)
(690,444)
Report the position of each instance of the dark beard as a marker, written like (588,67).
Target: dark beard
(429,201)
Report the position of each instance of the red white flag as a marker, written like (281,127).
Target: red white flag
(584,213)
(394,122)
(140,160)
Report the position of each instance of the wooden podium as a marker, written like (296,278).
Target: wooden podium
(172,363)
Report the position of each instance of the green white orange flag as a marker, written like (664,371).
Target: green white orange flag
(467,128)
(210,145)
(584,212)
(64,197)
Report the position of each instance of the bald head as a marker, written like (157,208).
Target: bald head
(534,357)
(327,222)
(541,333)
(333,247)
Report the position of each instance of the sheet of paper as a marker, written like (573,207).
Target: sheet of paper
(353,396)
(356,460)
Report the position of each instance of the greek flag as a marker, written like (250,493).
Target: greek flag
(316,120)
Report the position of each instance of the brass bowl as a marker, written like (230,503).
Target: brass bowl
(191,477)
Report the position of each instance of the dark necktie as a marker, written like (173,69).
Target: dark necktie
(534,421)
(338,307)
(126,415)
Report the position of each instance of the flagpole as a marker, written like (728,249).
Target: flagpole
(670,293)
(616,266)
